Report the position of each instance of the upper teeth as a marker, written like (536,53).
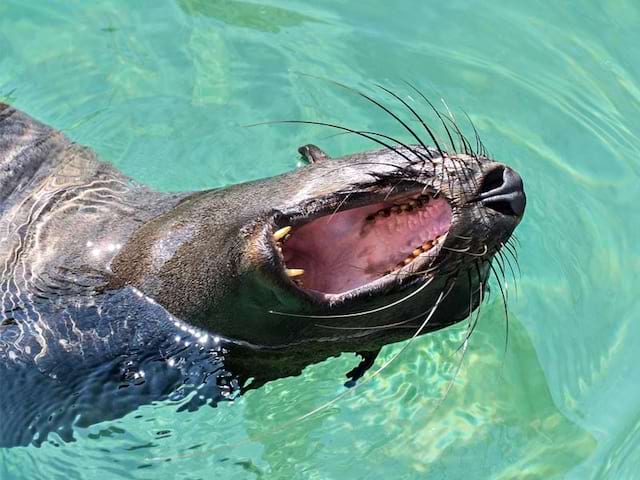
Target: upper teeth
(294,272)
(280,234)
(416,202)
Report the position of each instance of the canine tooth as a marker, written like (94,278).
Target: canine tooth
(416,252)
(280,234)
(294,272)
(407,261)
(427,246)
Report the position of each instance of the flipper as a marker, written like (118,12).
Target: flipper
(368,359)
(313,154)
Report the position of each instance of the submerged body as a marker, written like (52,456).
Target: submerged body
(114,295)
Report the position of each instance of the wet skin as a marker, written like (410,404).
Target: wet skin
(114,295)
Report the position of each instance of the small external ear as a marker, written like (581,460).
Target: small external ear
(368,359)
(312,154)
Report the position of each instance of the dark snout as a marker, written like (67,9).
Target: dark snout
(502,190)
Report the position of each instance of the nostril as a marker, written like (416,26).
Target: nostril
(502,190)
(492,180)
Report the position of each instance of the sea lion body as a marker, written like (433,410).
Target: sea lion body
(114,295)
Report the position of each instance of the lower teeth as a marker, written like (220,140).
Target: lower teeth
(425,247)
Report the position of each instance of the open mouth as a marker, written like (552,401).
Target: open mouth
(352,248)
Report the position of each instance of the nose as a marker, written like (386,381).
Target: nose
(502,190)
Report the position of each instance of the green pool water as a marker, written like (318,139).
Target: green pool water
(164,89)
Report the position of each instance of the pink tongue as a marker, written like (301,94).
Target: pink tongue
(344,251)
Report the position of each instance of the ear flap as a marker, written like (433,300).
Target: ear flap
(312,154)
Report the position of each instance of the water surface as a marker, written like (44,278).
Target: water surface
(164,88)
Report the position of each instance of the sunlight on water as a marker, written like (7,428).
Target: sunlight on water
(165,90)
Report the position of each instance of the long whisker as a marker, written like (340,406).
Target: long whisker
(338,127)
(514,255)
(464,345)
(384,366)
(386,110)
(481,299)
(479,145)
(376,327)
(506,311)
(358,314)
(466,146)
(453,146)
(511,270)
(424,125)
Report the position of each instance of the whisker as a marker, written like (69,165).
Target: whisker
(479,145)
(513,274)
(342,202)
(386,110)
(373,327)
(339,127)
(467,252)
(367,312)
(506,311)
(428,130)
(466,146)
(384,366)
(453,146)
(514,255)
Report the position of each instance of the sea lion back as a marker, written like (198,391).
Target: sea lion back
(27,148)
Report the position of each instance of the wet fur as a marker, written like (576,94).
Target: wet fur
(78,327)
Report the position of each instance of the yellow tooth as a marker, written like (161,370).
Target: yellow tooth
(395,209)
(426,246)
(416,252)
(413,203)
(294,272)
(280,234)
(407,261)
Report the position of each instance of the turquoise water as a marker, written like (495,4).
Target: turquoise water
(163,90)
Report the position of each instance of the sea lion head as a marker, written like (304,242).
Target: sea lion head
(353,252)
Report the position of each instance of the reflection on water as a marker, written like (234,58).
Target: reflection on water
(163,89)
(261,17)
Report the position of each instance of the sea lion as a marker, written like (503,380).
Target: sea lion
(114,295)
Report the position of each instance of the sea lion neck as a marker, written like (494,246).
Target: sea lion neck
(195,257)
